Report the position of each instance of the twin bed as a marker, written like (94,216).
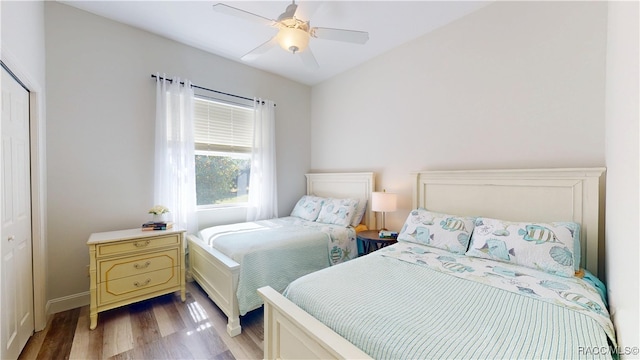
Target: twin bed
(231,262)
(488,271)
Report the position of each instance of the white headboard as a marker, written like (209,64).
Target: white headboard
(538,195)
(345,185)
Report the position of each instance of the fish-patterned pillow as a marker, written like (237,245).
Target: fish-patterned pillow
(337,211)
(443,231)
(547,247)
(308,207)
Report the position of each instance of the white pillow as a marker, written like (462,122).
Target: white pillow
(308,207)
(360,210)
(337,211)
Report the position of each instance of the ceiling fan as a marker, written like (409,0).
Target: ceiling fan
(293,34)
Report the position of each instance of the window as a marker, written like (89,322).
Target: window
(223,136)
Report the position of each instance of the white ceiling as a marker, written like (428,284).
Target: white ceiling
(389,23)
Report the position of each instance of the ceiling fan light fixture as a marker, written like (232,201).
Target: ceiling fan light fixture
(293,34)
(293,39)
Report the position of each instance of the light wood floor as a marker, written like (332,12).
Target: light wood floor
(160,328)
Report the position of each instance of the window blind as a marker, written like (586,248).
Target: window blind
(222,127)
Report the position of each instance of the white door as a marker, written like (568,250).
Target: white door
(16,283)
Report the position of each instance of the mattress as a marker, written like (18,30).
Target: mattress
(409,301)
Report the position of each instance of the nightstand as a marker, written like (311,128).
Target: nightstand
(128,266)
(371,241)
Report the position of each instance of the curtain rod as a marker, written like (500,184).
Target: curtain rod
(204,88)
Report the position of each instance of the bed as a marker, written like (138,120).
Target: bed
(418,299)
(274,252)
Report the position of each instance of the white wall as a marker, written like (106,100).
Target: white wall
(22,49)
(622,148)
(23,36)
(513,85)
(101,108)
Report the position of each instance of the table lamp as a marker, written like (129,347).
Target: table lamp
(383,202)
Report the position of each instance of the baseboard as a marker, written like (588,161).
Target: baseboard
(68,302)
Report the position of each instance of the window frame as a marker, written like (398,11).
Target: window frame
(242,152)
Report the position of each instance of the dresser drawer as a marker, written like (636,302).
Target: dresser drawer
(138,285)
(139,264)
(142,244)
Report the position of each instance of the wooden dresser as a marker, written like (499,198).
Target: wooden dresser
(127,266)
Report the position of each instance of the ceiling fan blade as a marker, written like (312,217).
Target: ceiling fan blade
(352,36)
(230,10)
(261,49)
(289,12)
(306,9)
(308,59)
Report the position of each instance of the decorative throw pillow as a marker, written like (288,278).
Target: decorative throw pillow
(308,207)
(337,211)
(546,247)
(360,210)
(449,232)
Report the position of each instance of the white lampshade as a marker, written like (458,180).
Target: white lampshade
(384,202)
(293,39)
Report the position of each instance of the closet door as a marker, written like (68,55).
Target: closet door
(15,233)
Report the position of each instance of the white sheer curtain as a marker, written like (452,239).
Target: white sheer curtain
(263,192)
(175,185)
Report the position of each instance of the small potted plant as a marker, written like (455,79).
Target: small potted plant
(158,212)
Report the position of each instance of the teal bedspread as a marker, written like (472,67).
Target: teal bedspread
(274,253)
(414,302)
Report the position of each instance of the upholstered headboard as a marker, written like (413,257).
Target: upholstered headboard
(538,195)
(345,185)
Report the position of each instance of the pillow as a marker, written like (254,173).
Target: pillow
(360,210)
(577,251)
(308,207)
(361,227)
(443,231)
(546,247)
(337,211)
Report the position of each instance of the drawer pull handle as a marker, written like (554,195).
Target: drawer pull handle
(145,283)
(141,244)
(143,266)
